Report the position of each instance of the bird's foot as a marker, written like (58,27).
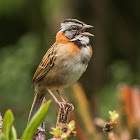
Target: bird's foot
(65,107)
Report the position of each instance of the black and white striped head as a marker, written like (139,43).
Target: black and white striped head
(73,28)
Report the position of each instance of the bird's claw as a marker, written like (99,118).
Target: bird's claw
(64,106)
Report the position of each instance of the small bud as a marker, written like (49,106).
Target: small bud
(113,117)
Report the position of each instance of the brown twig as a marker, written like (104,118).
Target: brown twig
(1,123)
(63,117)
(108,128)
(40,133)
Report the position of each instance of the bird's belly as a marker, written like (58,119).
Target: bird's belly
(74,72)
(64,75)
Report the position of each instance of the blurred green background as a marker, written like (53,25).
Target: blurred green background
(28,29)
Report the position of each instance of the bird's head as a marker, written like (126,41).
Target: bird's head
(73,30)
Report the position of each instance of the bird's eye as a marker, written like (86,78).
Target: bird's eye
(74,28)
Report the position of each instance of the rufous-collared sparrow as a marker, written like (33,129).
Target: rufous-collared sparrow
(64,63)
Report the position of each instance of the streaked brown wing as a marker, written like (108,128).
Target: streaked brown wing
(45,65)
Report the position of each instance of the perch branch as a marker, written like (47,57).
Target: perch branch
(63,118)
(108,128)
(1,123)
(40,133)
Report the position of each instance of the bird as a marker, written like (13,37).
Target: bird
(64,62)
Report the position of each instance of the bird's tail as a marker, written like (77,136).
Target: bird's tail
(38,99)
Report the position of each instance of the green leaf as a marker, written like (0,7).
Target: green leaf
(2,137)
(56,131)
(7,123)
(13,133)
(35,122)
(71,125)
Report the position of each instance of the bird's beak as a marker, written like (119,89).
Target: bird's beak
(86,33)
(88,26)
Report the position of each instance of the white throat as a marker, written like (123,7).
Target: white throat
(82,39)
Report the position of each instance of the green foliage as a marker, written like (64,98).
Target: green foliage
(7,123)
(121,72)
(16,68)
(8,7)
(9,132)
(13,133)
(118,73)
(2,137)
(71,125)
(58,133)
(35,121)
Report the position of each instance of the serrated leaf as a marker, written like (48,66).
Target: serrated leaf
(13,133)
(35,122)
(2,136)
(7,123)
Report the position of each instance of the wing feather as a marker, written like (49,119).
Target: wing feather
(45,65)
